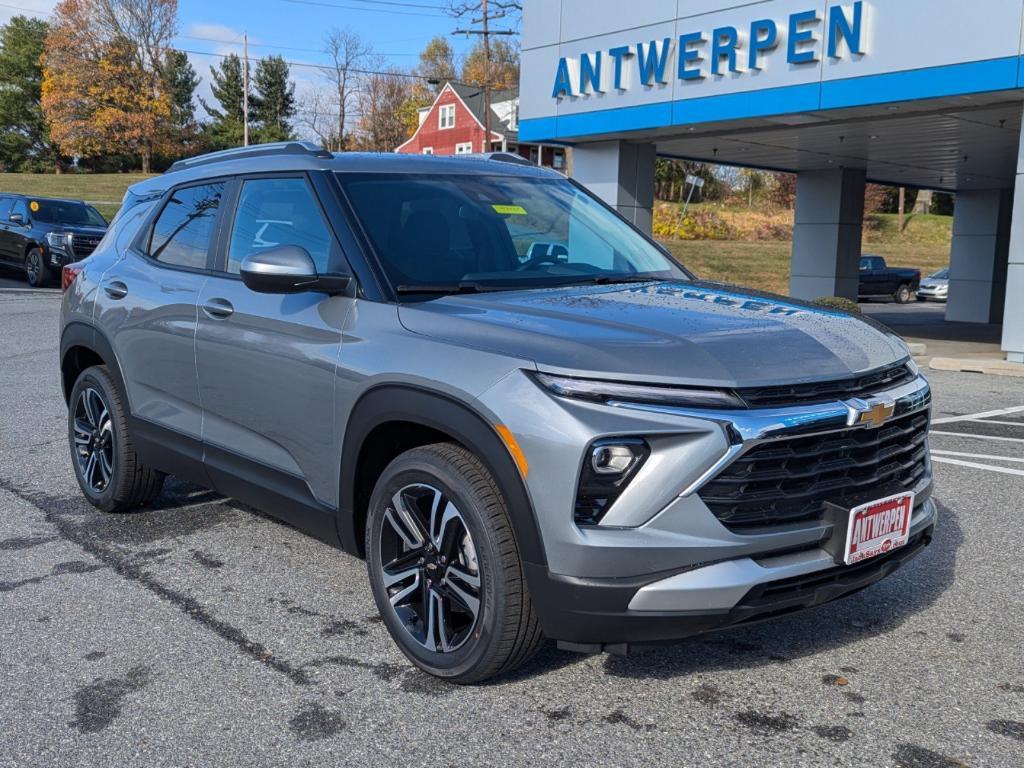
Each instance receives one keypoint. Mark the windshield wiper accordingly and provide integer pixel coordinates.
(443, 289)
(613, 279)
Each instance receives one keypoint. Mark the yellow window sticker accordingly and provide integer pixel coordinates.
(34, 206)
(509, 210)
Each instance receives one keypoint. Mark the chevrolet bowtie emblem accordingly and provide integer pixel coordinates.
(870, 413)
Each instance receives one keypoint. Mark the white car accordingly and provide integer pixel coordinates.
(935, 287)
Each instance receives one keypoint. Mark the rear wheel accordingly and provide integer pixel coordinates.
(904, 294)
(36, 271)
(106, 466)
(445, 569)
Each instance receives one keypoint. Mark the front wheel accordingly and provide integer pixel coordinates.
(904, 294)
(36, 272)
(445, 569)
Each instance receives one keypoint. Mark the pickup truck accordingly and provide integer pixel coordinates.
(879, 280)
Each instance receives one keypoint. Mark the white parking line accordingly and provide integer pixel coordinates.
(977, 456)
(976, 465)
(980, 437)
(1000, 423)
(977, 416)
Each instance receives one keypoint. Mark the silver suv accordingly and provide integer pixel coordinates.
(527, 417)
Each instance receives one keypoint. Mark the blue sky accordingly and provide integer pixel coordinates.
(295, 29)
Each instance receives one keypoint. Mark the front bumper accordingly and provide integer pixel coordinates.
(610, 614)
(661, 566)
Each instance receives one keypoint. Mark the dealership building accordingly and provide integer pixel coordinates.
(916, 93)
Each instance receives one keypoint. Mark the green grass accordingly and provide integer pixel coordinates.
(103, 190)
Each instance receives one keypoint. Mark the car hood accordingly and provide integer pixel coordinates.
(671, 332)
(77, 229)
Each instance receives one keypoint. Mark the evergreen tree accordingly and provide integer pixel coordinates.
(225, 128)
(273, 104)
(181, 81)
(24, 136)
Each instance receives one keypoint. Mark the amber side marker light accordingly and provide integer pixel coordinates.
(513, 447)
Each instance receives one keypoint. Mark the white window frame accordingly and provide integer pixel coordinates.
(428, 150)
(464, 148)
(446, 111)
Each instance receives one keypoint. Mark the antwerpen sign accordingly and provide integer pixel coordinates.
(716, 53)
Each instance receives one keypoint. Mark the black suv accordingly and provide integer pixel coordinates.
(41, 235)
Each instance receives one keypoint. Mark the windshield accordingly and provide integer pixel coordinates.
(942, 274)
(66, 212)
(475, 232)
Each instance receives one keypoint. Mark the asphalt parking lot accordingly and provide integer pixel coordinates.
(203, 633)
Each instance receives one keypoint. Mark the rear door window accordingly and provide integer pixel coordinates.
(184, 229)
(5, 208)
(274, 212)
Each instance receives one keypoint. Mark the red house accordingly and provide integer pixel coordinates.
(454, 125)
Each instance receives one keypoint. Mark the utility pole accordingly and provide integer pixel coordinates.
(245, 91)
(486, 31)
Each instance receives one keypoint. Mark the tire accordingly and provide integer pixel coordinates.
(37, 273)
(434, 560)
(904, 294)
(115, 481)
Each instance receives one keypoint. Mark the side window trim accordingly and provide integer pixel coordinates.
(141, 245)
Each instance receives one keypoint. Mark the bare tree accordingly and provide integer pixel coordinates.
(349, 54)
(383, 98)
(319, 114)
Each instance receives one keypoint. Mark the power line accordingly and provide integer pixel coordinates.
(321, 67)
(389, 11)
(274, 46)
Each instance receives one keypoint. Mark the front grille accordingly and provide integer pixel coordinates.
(827, 391)
(790, 479)
(83, 245)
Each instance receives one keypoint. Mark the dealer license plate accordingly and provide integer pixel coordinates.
(878, 527)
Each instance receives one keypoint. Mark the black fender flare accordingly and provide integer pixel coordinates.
(437, 411)
(79, 334)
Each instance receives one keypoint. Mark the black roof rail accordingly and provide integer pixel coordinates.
(506, 157)
(256, 150)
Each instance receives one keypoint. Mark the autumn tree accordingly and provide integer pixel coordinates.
(504, 68)
(24, 136)
(104, 88)
(382, 127)
(273, 101)
(437, 62)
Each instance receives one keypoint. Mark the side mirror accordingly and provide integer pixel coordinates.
(17, 218)
(288, 269)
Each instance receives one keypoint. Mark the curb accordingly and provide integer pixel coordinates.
(990, 366)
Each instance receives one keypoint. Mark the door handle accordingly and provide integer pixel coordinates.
(218, 308)
(116, 289)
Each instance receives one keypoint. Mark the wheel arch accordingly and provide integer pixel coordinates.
(82, 346)
(419, 416)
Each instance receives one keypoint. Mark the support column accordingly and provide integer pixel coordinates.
(621, 174)
(827, 228)
(1013, 318)
(977, 265)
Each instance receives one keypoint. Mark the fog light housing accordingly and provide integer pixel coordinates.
(608, 467)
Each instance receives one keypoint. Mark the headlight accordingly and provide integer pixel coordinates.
(59, 240)
(607, 391)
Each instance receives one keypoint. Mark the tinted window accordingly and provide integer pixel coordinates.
(21, 208)
(273, 212)
(182, 232)
(5, 207)
(504, 231)
(66, 212)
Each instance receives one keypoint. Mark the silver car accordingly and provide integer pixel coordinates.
(935, 287)
(528, 418)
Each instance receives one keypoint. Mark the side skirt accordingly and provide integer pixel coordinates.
(279, 494)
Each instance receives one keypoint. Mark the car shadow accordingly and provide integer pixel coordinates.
(877, 610)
